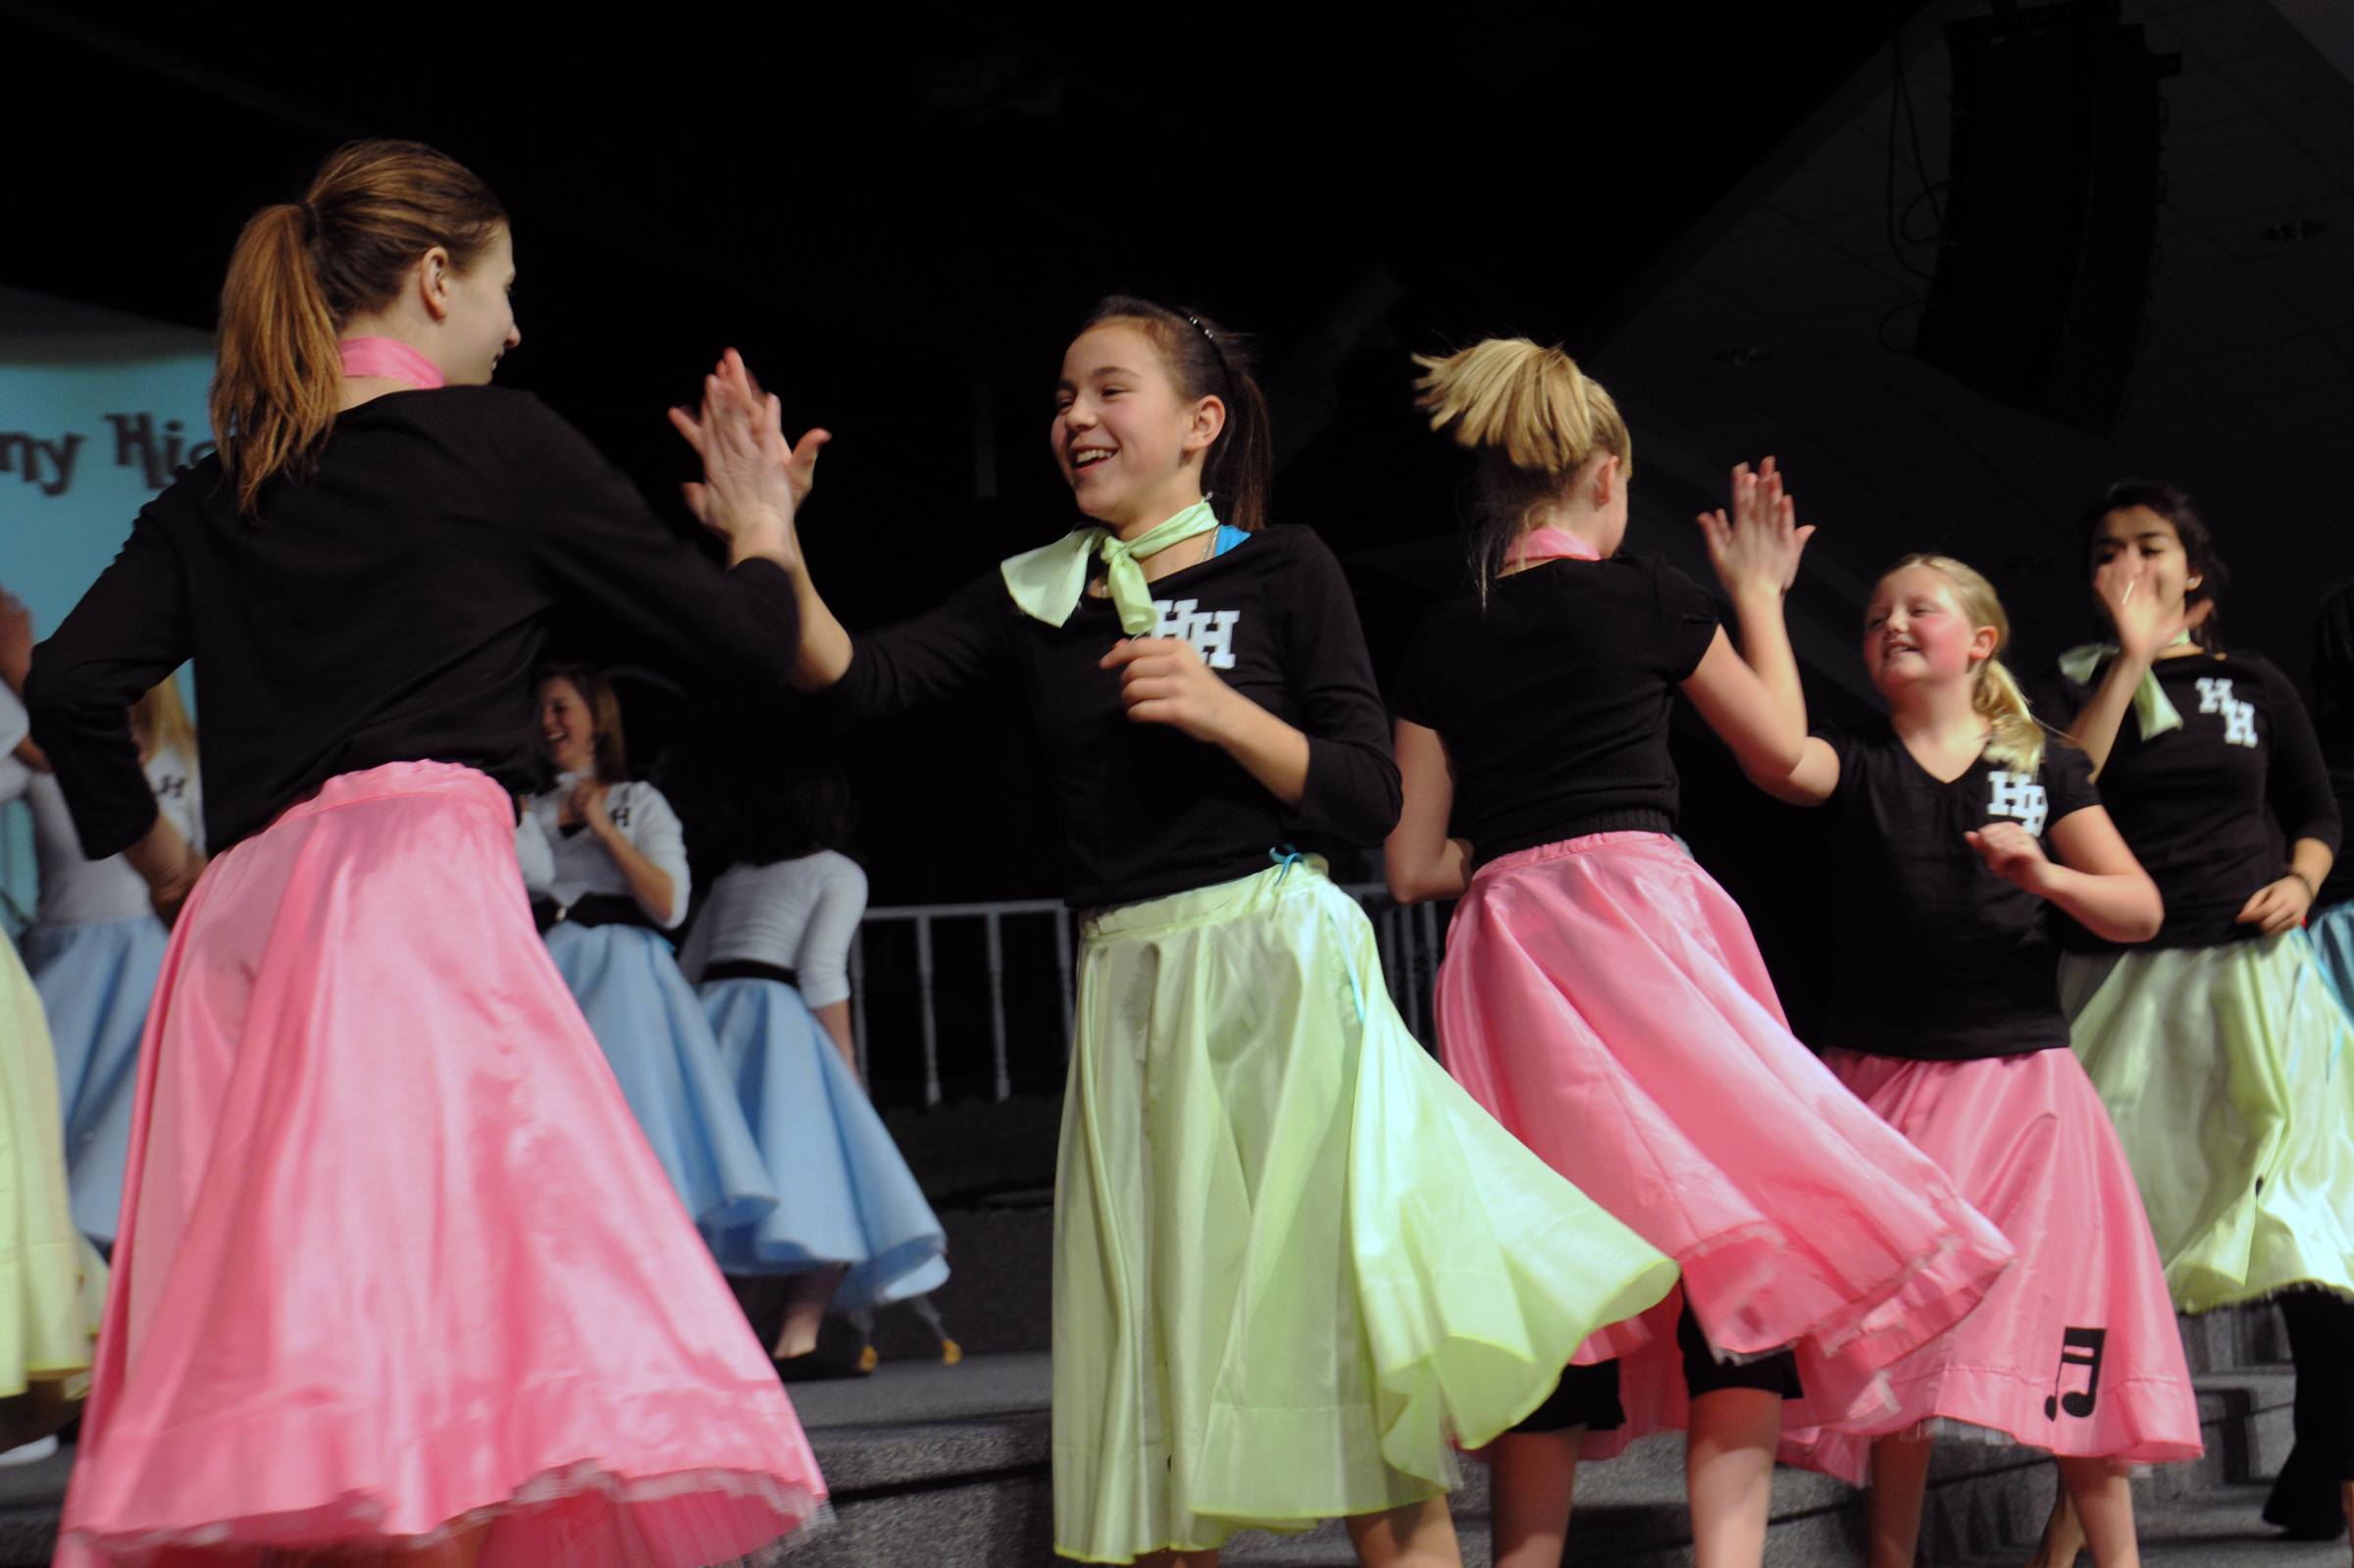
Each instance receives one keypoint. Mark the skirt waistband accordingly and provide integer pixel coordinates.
(453, 781)
(1654, 840)
(1292, 874)
(751, 969)
(590, 909)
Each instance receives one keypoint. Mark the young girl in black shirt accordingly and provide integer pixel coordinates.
(2219, 1048)
(397, 1277)
(1606, 999)
(1292, 1260)
(1945, 1018)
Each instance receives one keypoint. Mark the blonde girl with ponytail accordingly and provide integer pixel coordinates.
(1603, 999)
(1955, 822)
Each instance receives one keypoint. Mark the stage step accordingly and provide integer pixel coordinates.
(947, 1467)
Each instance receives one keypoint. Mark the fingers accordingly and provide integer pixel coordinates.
(689, 425)
(1128, 650)
(699, 502)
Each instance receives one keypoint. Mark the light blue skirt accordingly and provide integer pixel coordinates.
(848, 1195)
(646, 1017)
(2332, 934)
(96, 981)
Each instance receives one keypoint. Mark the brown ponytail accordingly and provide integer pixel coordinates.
(303, 268)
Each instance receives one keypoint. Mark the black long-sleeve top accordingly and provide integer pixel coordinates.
(2209, 809)
(389, 607)
(1146, 809)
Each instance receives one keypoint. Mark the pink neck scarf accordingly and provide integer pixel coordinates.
(391, 359)
(1548, 544)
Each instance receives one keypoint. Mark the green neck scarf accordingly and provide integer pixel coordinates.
(2153, 710)
(1046, 583)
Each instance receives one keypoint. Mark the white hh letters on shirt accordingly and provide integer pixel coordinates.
(1210, 632)
(2239, 718)
(2019, 795)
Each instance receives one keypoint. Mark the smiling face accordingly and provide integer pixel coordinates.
(1917, 635)
(1129, 443)
(2145, 548)
(567, 729)
(477, 312)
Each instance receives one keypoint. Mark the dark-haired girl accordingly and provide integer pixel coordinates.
(2218, 1047)
(398, 1277)
(1291, 1258)
(770, 959)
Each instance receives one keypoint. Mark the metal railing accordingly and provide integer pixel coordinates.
(1409, 940)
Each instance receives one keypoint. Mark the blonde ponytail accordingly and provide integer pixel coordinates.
(1535, 420)
(1531, 405)
(2014, 739)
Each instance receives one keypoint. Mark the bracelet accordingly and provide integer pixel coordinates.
(2311, 892)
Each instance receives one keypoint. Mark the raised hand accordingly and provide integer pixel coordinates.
(2277, 906)
(2014, 854)
(1757, 548)
(1163, 680)
(747, 495)
(2145, 626)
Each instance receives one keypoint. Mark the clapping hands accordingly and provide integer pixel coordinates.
(1756, 549)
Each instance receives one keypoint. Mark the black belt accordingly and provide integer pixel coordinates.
(590, 909)
(751, 969)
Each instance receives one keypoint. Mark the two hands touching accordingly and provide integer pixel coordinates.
(754, 483)
(1756, 551)
(754, 480)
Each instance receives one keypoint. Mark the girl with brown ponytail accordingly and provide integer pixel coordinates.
(398, 1277)
(1606, 1000)
(1957, 824)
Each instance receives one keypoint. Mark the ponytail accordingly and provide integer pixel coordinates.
(1207, 360)
(303, 268)
(280, 376)
(2014, 738)
(1535, 420)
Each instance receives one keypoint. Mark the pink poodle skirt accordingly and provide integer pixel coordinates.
(395, 1263)
(2076, 1349)
(1605, 1000)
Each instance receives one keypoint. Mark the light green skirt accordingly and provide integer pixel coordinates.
(2228, 1074)
(52, 1284)
(1292, 1260)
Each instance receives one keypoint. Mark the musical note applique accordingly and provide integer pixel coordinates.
(2078, 1347)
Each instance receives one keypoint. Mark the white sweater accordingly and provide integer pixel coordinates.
(797, 914)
